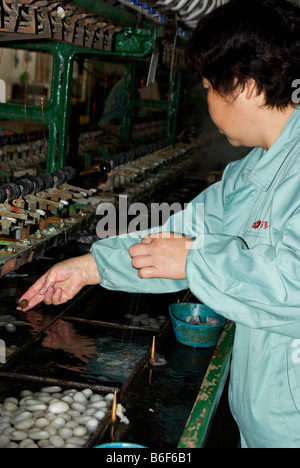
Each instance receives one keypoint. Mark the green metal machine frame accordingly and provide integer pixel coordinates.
(131, 43)
(169, 106)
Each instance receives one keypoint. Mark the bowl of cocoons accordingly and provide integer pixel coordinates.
(52, 418)
(196, 325)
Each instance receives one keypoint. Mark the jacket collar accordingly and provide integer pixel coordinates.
(270, 161)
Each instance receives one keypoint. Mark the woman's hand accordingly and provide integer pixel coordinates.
(161, 255)
(62, 282)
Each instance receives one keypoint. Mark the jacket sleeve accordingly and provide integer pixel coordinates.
(114, 262)
(257, 287)
(116, 271)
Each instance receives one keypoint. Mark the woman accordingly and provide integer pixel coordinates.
(248, 266)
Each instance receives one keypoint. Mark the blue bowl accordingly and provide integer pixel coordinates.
(120, 445)
(197, 336)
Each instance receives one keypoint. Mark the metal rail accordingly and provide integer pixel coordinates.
(202, 414)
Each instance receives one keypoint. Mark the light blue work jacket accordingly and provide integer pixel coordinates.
(246, 268)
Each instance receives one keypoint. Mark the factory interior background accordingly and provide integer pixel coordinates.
(97, 104)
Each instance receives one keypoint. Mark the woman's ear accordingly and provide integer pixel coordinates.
(251, 89)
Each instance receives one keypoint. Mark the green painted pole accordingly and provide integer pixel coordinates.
(174, 102)
(57, 113)
(128, 104)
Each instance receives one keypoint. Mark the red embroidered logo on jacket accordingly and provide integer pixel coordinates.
(261, 225)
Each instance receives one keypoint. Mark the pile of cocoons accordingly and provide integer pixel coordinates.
(53, 418)
(145, 320)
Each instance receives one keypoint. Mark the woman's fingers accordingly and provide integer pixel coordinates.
(142, 261)
(148, 272)
(49, 282)
(148, 239)
(57, 296)
(33, 296)
(161, 255)
(31, 303)
(41, 291)
(139, 250)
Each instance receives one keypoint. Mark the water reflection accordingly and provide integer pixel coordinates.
(63, 336)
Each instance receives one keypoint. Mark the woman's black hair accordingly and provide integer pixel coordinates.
(249, 39)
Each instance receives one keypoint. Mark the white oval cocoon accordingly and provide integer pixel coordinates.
(12, 445)
(87, 392)
(41, 423)
(76, 441)
(99, 415)
(80, 398)
(78, 407)
(57, 441)
(99, 404)
(24, 443)
(96, 397)
(24, 425)
(65, 432)
(52, 430)
(37, 434)
(71, 424)
(58, 422)
(10, 406)
(4, 440)
(37, 407)
(18, 435)
(52, 389)
(67, 399)
(109, 397)
(4, 426)
(58, 407)
(80, 431)
(26, 393)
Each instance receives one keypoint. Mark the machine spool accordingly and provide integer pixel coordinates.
(26, 187)
(3, 195)
(132, 155)
(12, 191)
(38, 183)
(69, 171)
(21, 188)
(60, 176)
(122, 158)
(48, 180)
